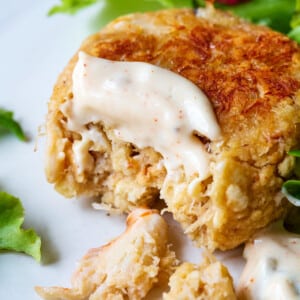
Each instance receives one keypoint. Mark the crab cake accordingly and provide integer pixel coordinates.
(249, 73)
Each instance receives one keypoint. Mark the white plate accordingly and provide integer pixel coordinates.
(34, 49)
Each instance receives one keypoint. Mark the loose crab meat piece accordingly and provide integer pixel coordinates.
(125, 268)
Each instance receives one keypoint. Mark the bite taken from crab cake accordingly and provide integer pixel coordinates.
(125, 268)
(222, 186)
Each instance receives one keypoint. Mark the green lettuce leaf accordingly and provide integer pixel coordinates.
(115, 8)
(295, 23)
(294, 34)
(174, 3)
(7, 123)
(291, 189)
(295, 153)
(12, 236)
(120, 7)
(70, 6)
(276, 14)
(280, 15)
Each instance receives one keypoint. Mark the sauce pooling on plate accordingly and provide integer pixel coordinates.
(272, 270)
(145, 105)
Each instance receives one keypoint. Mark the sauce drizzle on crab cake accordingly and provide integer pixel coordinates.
(249, 73)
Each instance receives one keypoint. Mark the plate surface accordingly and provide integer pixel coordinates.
(34, 49)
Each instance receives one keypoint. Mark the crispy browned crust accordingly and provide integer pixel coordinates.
(250, 75)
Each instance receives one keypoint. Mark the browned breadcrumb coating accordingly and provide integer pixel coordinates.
(125, 268)
(208, 281)
(251, 76)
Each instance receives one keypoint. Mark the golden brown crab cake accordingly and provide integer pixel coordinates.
(250, 75)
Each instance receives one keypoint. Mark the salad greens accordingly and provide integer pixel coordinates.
(111, 9)
(8, 124)
(281, 15)
(291, 188)
(120, 7)
(70, 6)
(295, 24)
(12, 236)
(276, 14)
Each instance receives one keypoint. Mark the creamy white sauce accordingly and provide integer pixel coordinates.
(145, 105)
(272, 270)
